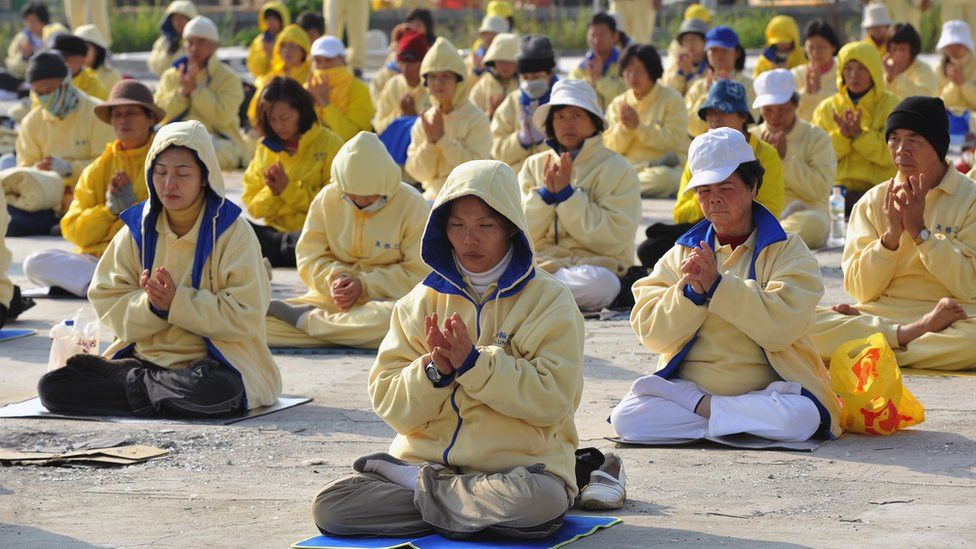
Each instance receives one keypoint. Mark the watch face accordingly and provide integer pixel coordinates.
(432, 373)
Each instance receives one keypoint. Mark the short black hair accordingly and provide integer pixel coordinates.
(551, 131)
(821, 28)
(425, 17)
(38, 10)
(282, 88)
(273, 13)
(647, 55)
(310, 20)
(603, 18)
(100, 55)
(751, 173)
(456, 75)
(905, 33)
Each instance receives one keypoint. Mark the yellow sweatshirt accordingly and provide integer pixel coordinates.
(505, 145)
(515, 400)
(488, 88)
(388, 107)
(698, 93)
(257, 60)
(595, 219)
(15, 63)
(680, 82)
(88, 81)
(781, 28)
(809, 101)
(108, 76)
(863, 161)
(89, 224)
(6, 286)
(771, 192)
(382, 76)
(467, 134)
(880, 48)
(307, 170)
(609, 85)
(350, 109)
(917, 79)
(220, 303)
(292, 34)
(160, 58)
(954, 95)
(754, 328)
(661, 128)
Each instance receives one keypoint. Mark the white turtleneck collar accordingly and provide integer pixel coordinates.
(481, 281)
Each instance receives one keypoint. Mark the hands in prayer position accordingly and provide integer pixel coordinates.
(346, 291)
(318, 85)
(450, 347)
(904, 209)
(558, 174)
(276, 179)
(777, 140)
(434, 127)
(849, 123)
(408, 106)
(188, 78)
(700, 269)
(628, 115)
(161, 289)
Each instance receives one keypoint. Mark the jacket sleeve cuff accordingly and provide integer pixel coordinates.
(550, 197)
(711, 291)
(468, 362)
(695, 297)
(445, 380)
(159, 312)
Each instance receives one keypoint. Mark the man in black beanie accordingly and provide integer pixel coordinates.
(73, 50)
(909, 260)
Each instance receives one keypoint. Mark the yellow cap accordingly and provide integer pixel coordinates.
(501, 8)
(697, 11)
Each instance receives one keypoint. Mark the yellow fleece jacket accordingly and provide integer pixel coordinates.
(78, 138)
(6, 285)
(609, 85)
(294, 35)
(661, 128)
(88, 81)
(258, 62)
(810, 165)
(388, 107)
(954, 95)
(881, 48)
(596, 223)
(108, 76)
(350, 109)
(307, 170)
(676, 80)
(228, 307)
(863, 161)
(489, 88)
(15, 63)
(89, 224)
(698, 93)
(810, 101)
(160, 58)
(514, 400)
(780, 27)
(753, 330)
(382, 76)
(771, 192)
(505, 145)
(917, 79)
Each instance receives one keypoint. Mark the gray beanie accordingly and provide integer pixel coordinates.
(535, 54)
(46, 65)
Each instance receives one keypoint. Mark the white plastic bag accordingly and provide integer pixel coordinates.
(74, 336)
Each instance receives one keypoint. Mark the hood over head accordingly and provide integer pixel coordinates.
(182, 7)
(278, 7)
(295, 35)
(505, 47)
(783, 28)
(868, 56)
(363, 166)
(444, 56)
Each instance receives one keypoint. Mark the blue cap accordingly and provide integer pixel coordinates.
(726, 96)
(721, 36)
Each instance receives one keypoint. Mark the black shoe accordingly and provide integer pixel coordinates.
(18, 304)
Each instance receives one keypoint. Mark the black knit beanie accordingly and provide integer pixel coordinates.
(535, 54)
(46, 65)
(925, 116)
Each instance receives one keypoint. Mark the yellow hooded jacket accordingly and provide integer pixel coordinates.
(505, 145)
(752, 329)
(810, 101)
(297, 36)
(503, 48)
(160, 57)
(350, 109)
(591, 222)
(917, 79)
(89, 224)
(863, 161)
(222, 287)
(88, 81)
(388, 106)
(257, 60)
(954, 95)
(513, 401)
(467, 132)
(781, 28)
(307, 170)
(661, 128)
(610, 84)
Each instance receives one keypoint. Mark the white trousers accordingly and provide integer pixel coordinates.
(593, 287)
(68, 270)
(778, 412)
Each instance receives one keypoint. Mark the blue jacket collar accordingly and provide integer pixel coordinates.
(614, 56)
(768, 232)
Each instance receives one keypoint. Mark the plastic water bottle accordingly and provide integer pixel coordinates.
(838, 227)
(62, 344)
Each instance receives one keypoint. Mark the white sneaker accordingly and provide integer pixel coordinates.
(606, 487)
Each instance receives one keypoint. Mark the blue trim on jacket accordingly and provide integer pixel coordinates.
(590, 54)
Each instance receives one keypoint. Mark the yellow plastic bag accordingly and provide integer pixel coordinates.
(864, 373)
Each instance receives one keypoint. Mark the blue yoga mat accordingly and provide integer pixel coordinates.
(7, 335)
(574, 528)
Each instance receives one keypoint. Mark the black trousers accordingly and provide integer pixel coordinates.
(94, 385)
(276, 246)
(24, 223)
(660, 238)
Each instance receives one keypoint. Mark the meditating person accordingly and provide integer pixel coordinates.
(290, 59)
(957, 68)
(183, 288)
(500, 77)
(272, 18)
(491, 27)
(291, 164)
(404, 95)
(342, 101)
(647, 124)
(686, 59)
(783, 49)
(28, 41)
(514, 136)
(726, 61)
(170, 46)
(817, 79)
(729, 309)
(358, 253)
(200, 87)
(581, 199)
(97, 58)
(854, 118)
(807, 156)
(112, 183)
(74, 50)
(905, 74)
(452, 131)
(56, 141)
(600, 67)
(908, 261)
(480, 375)
(418, 20)
(876, 24)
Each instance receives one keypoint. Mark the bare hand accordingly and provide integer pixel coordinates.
(408, 106)
(777, 140)
(346, 291)
(435, 340)
(911, 201)
(955, 73)
(493, 104)
(276, 179)
(434, 128)
(161, 289)
(558, 174)
(849, 123)
(628, 115)
(684, 63)
(891, 67)
(892, 234)
(594, 68)
(813, 80)
(25, 47)
(318, 85)
(44, 164)
(458, 342)
(188, 78)
(118, 180)
(700, 268)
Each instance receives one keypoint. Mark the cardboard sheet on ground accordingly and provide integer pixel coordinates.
(321, 351)
(33, 408)
(745, 441)
(574, 528)
(10, 335)
(118, 455)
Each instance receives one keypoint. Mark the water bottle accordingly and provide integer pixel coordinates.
(62, 344)
(838, 227)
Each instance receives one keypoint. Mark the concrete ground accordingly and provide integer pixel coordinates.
(250, 484)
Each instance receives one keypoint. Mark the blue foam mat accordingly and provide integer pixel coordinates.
(7, 335)
(574, 528)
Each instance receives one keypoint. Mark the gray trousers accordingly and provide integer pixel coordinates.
(520, 503)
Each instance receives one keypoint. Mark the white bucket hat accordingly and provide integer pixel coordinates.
(328, 46)
(574, 93)
(876, 15)
(201, 26)
(493, 23)
(955, 32)
(774, 87)
(90, 33)
(715, 154)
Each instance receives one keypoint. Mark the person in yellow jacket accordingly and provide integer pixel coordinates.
(854, 118)
(729, 309)
(817, 79)
(74, 50)
(169, 46)
(726, 61)
(183, 289)
(876, 24)
(291, 59)
(491, 27)
(404, 95)
(783, 47)
(342, 101)
(349, 18)
(452, 131)
(272, 18)
(358, 253)
(200, 87)
(647, 124)
(807, 156)
(291, 164)
(686, 55)
(582, 199)
(419, 20)
(97, 58)
(479, 380)
(29, 40)
(600, 67)
(501, 75)
(905, 74)
(908, 261)
(957, 68)
(114, 181)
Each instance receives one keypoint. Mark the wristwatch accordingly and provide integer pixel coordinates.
(433, 374)
(922, 236)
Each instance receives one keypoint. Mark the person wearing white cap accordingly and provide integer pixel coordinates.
(905, 74)
(352, 18)
(491, 26)
(98, 56)
(729, 309)
(342, 101)
(957, 68)
(807, 155)
(638, 17)
(500, 77)
(876, 23)
(169, 46)
(581, 199)
(199, 87)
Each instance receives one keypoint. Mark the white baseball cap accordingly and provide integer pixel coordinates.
(493, 23)
(774, 87)
(201, 26)
(715, 154)
(876, 15)
(328, 46)
(574, 93)
(955, 32)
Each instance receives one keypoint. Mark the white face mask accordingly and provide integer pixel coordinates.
(372, 208)
(534, 88)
